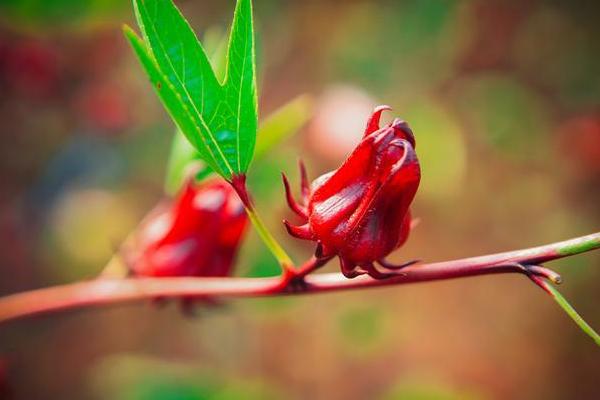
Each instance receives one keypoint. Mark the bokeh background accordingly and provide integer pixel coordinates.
(504, 99)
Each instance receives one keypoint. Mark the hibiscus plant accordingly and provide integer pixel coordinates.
(358, 213)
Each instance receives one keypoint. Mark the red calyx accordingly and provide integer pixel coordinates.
(360, 212)
(196, 234)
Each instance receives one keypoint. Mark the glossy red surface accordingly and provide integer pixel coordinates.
(360, 211)
(196, 234)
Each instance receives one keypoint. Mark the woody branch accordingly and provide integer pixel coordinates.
(111, 291)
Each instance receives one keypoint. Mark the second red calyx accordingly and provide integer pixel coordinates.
(196, 234)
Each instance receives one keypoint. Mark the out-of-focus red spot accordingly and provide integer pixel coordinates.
(29, 67)
(104, 107)
(579, 139)
(496, 24)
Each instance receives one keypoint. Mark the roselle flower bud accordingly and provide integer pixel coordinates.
(196, 234)
(360, 212)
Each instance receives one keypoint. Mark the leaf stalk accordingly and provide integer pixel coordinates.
(238, 182)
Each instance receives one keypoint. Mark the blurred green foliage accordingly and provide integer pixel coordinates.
(441, 147)
(428, 389)
(410, 43)
(362, 328)
(508, 116)
(127, 377)
(42, 14)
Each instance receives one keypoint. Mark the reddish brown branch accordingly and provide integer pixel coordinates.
(108, 291)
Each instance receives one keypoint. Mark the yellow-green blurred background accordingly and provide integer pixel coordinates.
(504, 99)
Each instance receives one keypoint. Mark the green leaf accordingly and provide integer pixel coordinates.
(240, 80)
(279, 125)
(221, 118)
(165, 90)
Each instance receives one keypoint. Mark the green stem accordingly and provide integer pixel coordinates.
(573, 314)
(238, 182)
(272, 244)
